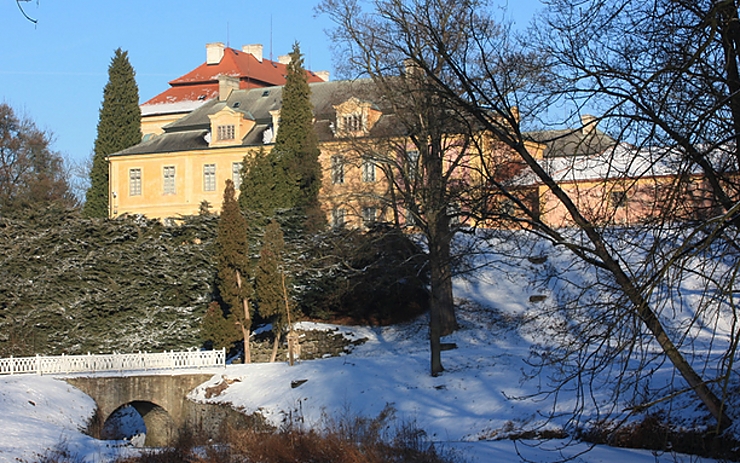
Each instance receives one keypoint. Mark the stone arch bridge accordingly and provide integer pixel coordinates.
(162, 402)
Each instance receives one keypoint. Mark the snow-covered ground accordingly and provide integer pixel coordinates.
(480, 397)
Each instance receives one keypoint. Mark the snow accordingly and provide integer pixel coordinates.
(469, 410)
(171, 107)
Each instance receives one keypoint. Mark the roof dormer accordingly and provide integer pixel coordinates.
(355, 117)
(229, 126)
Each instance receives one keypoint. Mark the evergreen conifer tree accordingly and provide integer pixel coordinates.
(119, 127)
(216, 329)
(259, 197)
(232, 260)
(291, 172)
(271, 285)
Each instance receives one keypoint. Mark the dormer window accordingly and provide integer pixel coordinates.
(229, 126)
(356, 117)
(225, 132)
(352, 123)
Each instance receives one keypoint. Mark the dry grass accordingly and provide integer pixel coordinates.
(345, 440)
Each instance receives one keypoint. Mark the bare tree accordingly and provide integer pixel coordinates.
(31, 174)
(425, 153)
(23, 12)
(478, 71)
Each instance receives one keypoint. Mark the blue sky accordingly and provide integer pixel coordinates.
(54, 72)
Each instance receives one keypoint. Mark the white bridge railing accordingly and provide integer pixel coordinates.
(90, 363)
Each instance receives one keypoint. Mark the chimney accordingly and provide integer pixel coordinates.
(284, 59)
(226, 85)
(254, 50)
(410, 67)
(214, 52)
(323, 75)
(589, 124)
(515, 113)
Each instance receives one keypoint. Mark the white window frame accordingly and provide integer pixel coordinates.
(368, 171)
(338, 216)
(209, 177)
(225, 132)
(134, 181)
(353, 122)
(236, 174)
(168, 180)
(412, 157)
(369, 215)
(337, 170)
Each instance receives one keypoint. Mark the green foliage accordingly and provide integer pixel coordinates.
(31, 175)
(376, 277)
(232, 259)
(289, 177)
(270, 280)
(74, 285)
(216, 330)
(261, 194)
(119, 127)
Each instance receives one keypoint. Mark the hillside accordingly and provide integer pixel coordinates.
(474, 411)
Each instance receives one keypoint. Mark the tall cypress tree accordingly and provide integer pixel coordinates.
(232, 260)
(119, 127)
(292, 168)
(259, 196)
(271, 286)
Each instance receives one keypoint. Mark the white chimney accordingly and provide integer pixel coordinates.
(284, 59)
(323, 75)
(254, 50)
(226, 84)
(589, 124)
(214, 52)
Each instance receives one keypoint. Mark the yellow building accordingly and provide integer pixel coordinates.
(172, 174)
(247, 68)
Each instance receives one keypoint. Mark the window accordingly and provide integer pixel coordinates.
(337, 170)
(209, 177)
(618, 198)
(169, 180)
(368, 172)
(410, 217)
(225, 132)
(352, 122)
(337, 217)
(369, 214)
(236, 174)
(412, 157)
(454, 212)
(134, 182)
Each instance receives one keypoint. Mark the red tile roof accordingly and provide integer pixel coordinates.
(202, 82)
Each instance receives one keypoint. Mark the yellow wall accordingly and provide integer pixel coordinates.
(152, 125)
(189, 182)
(352, 195)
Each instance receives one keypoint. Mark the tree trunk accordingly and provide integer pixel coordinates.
(651, 321)
(641, 305)
(441, 283)
(275, 345)
(729, 24)
(442, 319)
(435, 344)
(247, 325)
(247, 352)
